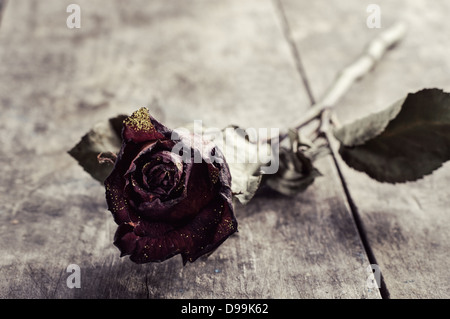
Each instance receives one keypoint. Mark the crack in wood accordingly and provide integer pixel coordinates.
(352, 206)
(295, 53)
(384, 292)
(2, 9)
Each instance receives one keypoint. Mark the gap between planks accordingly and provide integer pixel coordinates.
(384, 292)
(295, 53)
(2, 9)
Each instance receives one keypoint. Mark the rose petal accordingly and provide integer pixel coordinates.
(134, 192)
(154, 250)
(209, 229)
(169, 208)
(115, 186)
(125, 239)
(141, 127)
(198, 192)
(146, 148)
(160, 241)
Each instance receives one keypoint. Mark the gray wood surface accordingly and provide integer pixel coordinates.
(219, 62)
(407, 225)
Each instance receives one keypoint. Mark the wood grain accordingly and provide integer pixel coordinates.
(221, 62)
(407, 225)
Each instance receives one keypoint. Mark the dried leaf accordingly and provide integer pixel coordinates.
(104, 137)
(243, 161)
(296, 171)
(405, 142)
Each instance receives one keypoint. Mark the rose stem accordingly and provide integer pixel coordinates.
(361, 66)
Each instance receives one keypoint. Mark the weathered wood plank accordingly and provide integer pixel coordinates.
(407, 225)
(221, 62)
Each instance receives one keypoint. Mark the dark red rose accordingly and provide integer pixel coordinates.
(164, 204)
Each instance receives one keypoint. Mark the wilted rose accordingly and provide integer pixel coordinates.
(163, 204)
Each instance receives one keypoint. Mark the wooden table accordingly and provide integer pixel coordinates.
(254, 63)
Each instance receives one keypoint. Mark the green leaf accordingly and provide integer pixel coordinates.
(104, 137)
(403, 143)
